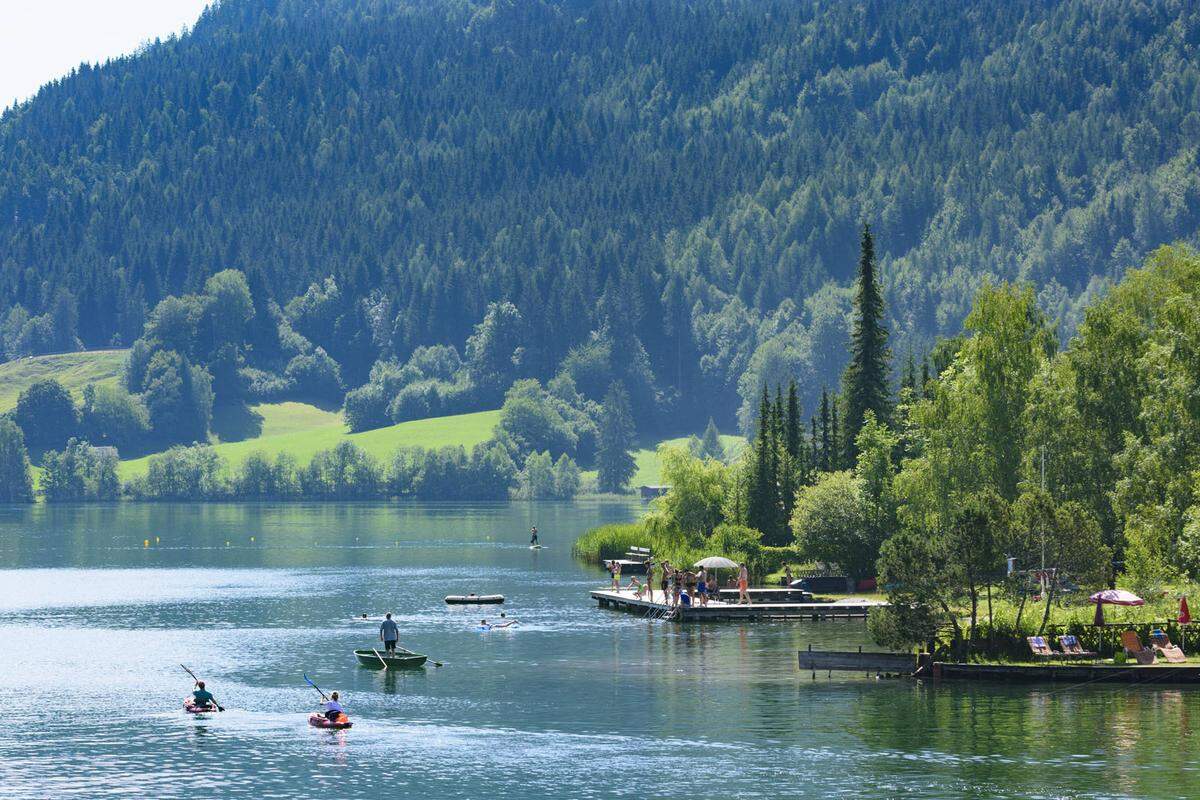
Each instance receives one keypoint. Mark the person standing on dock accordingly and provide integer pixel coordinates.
(662, 580)
(702, 586)
(650, 580)
(744, 585)
(389, 632)
(615, 569)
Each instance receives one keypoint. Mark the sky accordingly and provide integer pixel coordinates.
(41, 40)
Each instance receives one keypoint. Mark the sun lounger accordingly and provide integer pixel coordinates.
(1134, 647)
(1039, 646)
(1171, 652)
(1071, 646)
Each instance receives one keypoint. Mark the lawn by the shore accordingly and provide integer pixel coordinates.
(301, 430)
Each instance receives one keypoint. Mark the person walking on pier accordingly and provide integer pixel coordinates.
(744, 585)
(389, 632)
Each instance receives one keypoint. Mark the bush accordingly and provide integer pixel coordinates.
(112, 416)
(183, 473)
(315, 376)
(46, 414)
(264, 387)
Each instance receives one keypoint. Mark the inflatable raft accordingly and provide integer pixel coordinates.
(190, 706)
(474, 599)
(320, 721)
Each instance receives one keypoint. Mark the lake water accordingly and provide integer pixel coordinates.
(99, 605)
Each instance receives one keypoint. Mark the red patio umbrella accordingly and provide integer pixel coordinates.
(1185, 616)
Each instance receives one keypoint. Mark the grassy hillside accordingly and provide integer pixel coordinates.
(302, 430)
(73, 370)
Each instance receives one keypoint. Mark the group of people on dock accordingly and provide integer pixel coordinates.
(681, 586)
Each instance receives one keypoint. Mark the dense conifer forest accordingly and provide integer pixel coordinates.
(666, 194)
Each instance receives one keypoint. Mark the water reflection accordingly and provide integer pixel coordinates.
(95, 620)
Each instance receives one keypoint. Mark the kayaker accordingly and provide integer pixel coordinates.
(533, 540)
(389, 632)
(201, 697)
(332, 707)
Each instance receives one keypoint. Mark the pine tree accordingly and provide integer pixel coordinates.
(909, 380)
(710, 442)
(814, 441)
(835, 439)
(762, 488)
(865, 381)
(826, 444)
(792, 424)
(925, 385)
(615, 440)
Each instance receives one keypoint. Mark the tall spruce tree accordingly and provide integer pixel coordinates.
(615, 440)
(865, 382)
(762, 494)
(793, 431)
(824, 464)
(710, 442)
(835, 436)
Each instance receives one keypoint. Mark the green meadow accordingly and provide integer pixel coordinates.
(72, 370)
(302, 430)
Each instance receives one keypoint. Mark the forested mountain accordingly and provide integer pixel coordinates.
(672, 189)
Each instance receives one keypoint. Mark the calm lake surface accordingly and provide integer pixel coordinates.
(99, 605)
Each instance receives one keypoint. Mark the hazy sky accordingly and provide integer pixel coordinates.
(41, 40)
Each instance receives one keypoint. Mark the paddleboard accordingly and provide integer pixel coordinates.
(537, 547)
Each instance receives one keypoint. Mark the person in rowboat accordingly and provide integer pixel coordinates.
(533, 535)
(389, 633)
(201, 697)
(332, 707)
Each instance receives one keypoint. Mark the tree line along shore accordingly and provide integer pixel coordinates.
(989, 495)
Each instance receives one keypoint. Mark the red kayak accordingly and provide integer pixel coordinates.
(320, 721)
(190, 706)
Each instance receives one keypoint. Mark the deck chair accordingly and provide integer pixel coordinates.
(1162, 643)
(1039, 647)
(1134, 647)
(1071, 646)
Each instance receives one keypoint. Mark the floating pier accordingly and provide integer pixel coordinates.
(624, 600)
(1073, 673)
(1069, 673)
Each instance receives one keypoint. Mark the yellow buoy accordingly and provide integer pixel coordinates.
(145, 542)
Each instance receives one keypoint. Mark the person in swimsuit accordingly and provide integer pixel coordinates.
(533, 537)
(677, 575)
(702, 586)
(616, 575)
(333, 708)
(650, 580)
(743, 585)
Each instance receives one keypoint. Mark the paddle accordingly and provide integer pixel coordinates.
(197, 680)
(318, 688)
(381, 661)
(411, 653)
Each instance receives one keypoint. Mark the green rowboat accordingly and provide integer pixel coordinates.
(401, 659)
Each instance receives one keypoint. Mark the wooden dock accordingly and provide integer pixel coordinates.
(1154, 674)
(624, 600)
(856, 661)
